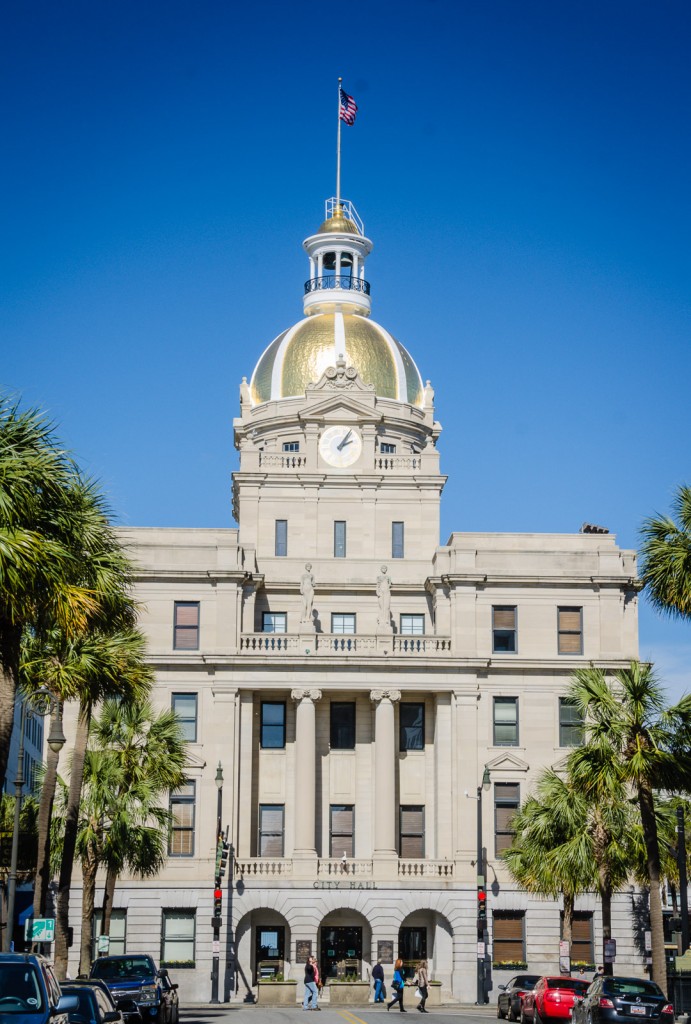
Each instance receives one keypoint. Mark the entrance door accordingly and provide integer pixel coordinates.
(269, 951)
(341, 952)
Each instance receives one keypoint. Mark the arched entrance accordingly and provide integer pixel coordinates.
(263, 945)
(427, 935)
(344, 944)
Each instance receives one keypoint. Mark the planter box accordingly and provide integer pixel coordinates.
(277, 993)
(349, 993)
(433, 995)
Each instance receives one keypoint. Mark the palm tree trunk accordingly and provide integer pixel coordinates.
(45, 813)
(9, 673)
(647, 807)
(567, 927)
(62, 919)
(89, 869)
(108, 894)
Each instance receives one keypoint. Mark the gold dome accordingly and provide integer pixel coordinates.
(339, 223)
(300, 356)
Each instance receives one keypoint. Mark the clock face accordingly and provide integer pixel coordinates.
(340, 446)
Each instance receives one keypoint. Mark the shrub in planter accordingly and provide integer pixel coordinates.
(275, 992)
(509, 965)
(348, 991)
(178, 964)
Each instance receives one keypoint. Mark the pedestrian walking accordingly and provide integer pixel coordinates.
(311, 994)
(398, 986)
(421, 981)
(378, 976)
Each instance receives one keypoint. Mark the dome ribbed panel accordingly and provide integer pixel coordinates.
(310, 351)
(368, 350)
(412, 376)
(260, 385)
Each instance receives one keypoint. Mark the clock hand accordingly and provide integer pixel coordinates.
(345, 439)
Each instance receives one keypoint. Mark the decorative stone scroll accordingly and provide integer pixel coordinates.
(379, 695)
(340, 377)
(312, 695)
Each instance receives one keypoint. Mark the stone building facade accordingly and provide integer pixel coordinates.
(357, 681)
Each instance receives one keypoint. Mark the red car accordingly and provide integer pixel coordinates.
(552, 999)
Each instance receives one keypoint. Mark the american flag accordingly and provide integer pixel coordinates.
(348, 108)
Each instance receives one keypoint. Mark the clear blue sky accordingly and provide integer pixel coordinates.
(523, 169)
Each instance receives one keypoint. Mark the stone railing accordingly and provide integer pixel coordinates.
(425, 869)
(329, 645)
(332, 867)
(263, 867)
(397, 462)
(282, 460)
(291, 461)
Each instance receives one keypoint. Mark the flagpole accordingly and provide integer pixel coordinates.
(338, 150)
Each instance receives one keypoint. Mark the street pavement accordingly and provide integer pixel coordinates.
(244, 1013)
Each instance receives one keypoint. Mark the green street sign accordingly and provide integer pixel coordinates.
(42, 929)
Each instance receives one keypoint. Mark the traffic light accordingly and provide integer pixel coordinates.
(481, 907)
(223, 859)
(218, 902)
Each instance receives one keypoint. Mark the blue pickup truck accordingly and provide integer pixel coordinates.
(138, 988)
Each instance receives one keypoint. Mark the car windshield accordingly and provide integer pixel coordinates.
(631, 987)
(526, 981)
(572, 984)
(130, 967)
(20, 989)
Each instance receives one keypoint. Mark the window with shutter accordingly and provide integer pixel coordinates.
(570, 630)
(412, 831)
(342, 830)
(177, 936)
(581, 937)
(271, 830)
(570, 724)
(184, 705)
(504, 629)
(506, 802)
(186, 626)
(506, 721)
(508, 936)
(281, 538)
(182, 811)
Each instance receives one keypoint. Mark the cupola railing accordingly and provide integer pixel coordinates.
(353, 284)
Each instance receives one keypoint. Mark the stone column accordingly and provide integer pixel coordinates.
(385, 855)
(304, 848)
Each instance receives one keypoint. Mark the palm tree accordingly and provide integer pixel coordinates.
(39, 566)
(634, 739)
(558, 815)
(666, 557)
(150, 755)
(107, 664)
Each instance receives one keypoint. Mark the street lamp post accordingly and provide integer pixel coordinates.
(41, 702)
(481, 892)
(216, 919)
(683, 885)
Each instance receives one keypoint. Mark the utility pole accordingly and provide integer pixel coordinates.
(219, 871)
(683, 882)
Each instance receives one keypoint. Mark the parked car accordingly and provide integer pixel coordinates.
(138, 988)
(29, 991)
(96, 1004)
(510, 1001)
(624, 1000)
(552, 998)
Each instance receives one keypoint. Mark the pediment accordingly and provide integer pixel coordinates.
(340, 378)
(507, 762)
(194, 762)
(339, 408)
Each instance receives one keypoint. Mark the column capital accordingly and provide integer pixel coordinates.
(312, 695)
(390, 695)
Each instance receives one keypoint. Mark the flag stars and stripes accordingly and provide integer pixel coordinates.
(348, 108)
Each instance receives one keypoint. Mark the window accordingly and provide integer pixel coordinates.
(412, 944)
(506, 800)
(291, 446)
(269, 951)
(508, 936)
(339, 539)
(342, 623)
(281, 541)
(185, 707)
(177, 937)
(273, 724)
(386, 448)
(271, 830)
(504, 629)
(570, 724)
(412, 625)
(186, 626)
(581, 937)
(411, 723)
(412, 831)
(570, 630)
(506, 721)
(118, 932)
(397, 543)
(274, 622)
(182, 801)
(342, 726)
(342, 830)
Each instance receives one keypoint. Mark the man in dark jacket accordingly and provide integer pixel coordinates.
(378, 976)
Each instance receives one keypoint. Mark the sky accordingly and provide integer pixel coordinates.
(522, 168)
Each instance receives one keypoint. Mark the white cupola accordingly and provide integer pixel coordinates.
(337, 263)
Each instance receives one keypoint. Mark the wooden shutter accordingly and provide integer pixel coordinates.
(187, 626)
(508, 936)
(342, 827)
(570, 633)
(412, 832)
(271, 832)
(581, 938)
(504, 618)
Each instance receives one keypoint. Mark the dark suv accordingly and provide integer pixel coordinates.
(30, 993)
(624, 1000)
(136, 986)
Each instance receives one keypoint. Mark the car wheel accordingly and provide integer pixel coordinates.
(512, 1013)
(500, 1013)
